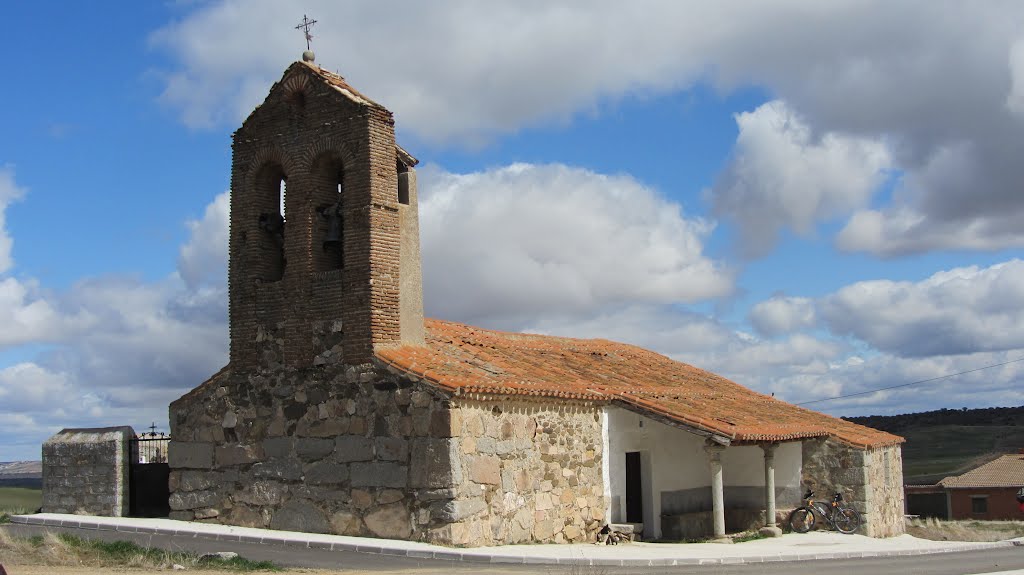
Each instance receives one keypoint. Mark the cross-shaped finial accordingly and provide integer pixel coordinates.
(305, 26)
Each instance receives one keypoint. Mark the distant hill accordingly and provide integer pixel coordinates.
(951, 441)
(21, 474)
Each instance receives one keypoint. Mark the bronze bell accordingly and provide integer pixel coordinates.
(333, 237)
(272, 223)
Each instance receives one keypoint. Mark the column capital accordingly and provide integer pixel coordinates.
(714, 450)
(769, 449)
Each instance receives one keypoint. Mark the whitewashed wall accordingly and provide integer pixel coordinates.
(673, 462)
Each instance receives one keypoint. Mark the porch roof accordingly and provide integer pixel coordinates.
(463, 360)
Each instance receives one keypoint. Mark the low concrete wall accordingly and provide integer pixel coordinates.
(85, 471)
(697, 526)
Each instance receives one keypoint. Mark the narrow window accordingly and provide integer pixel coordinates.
(403, 184)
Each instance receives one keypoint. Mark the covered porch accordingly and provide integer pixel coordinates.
(683, 483)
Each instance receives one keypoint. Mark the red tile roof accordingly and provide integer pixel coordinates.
(1007, 471)
(463, 359)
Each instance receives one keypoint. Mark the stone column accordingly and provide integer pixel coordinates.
(714, 451)
(769, 529)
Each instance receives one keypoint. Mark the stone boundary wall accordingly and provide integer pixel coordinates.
(532, 473)
(85, 471)
(871, 481)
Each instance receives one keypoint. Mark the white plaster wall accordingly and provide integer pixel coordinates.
(744, 465)
(674, 459)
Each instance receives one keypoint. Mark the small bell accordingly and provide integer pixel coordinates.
(272, 224)
(333, 237)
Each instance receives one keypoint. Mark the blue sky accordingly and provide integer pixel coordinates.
(813, 200)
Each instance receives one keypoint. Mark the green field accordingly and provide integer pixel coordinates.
(15, 500)
(934, 452)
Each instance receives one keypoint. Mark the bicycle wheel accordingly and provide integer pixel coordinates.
(846, 520)
(801, 520)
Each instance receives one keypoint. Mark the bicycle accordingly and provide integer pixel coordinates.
(841, 518)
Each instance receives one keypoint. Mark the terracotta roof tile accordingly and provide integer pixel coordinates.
(339, 83)
(1007, 471)
(464, 359)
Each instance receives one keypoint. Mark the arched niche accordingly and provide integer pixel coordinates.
(269, 199)
(327, 179)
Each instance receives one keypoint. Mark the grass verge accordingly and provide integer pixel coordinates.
(748, 536)
(938, 530)
(18, 500)
(62, 549)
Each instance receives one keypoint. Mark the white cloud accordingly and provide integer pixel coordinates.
(1015, 98)
(28, 317)
(462, 73)
(512, 242)
(960, 311)
(932, 210)
(784, 176)
(116, 350)
(204, 257)
(781, 315)
(9, 193)
(999, 386)
(28, 387)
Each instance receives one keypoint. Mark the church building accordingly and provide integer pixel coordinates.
(342, 410)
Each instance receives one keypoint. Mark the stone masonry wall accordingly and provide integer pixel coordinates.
(85, 471)
(531, 473)
(884, 470)
(871, 481)
(351, 450)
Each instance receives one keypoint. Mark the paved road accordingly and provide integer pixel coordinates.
(963, 563)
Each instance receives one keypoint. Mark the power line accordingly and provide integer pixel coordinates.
(911, 383)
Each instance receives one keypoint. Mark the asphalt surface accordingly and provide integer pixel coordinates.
(957, 563)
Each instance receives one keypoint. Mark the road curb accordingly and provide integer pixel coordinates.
(379, 547)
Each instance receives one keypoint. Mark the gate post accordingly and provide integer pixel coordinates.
(85, 471)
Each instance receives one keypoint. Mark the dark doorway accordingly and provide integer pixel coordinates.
(634, 489)
(927, 505)
(148, 475)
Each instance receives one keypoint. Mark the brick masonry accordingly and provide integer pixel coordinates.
(282, 284)
(85, 471)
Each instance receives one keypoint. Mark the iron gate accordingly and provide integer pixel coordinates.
(148, 491)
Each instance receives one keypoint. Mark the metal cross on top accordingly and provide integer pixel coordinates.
(305, 26)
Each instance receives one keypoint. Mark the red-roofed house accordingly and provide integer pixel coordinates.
(342, 410)
(987, 492)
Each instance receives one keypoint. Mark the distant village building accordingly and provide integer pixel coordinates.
(343, 411)
(992, 491)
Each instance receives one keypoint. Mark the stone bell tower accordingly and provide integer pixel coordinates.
(324, 256)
